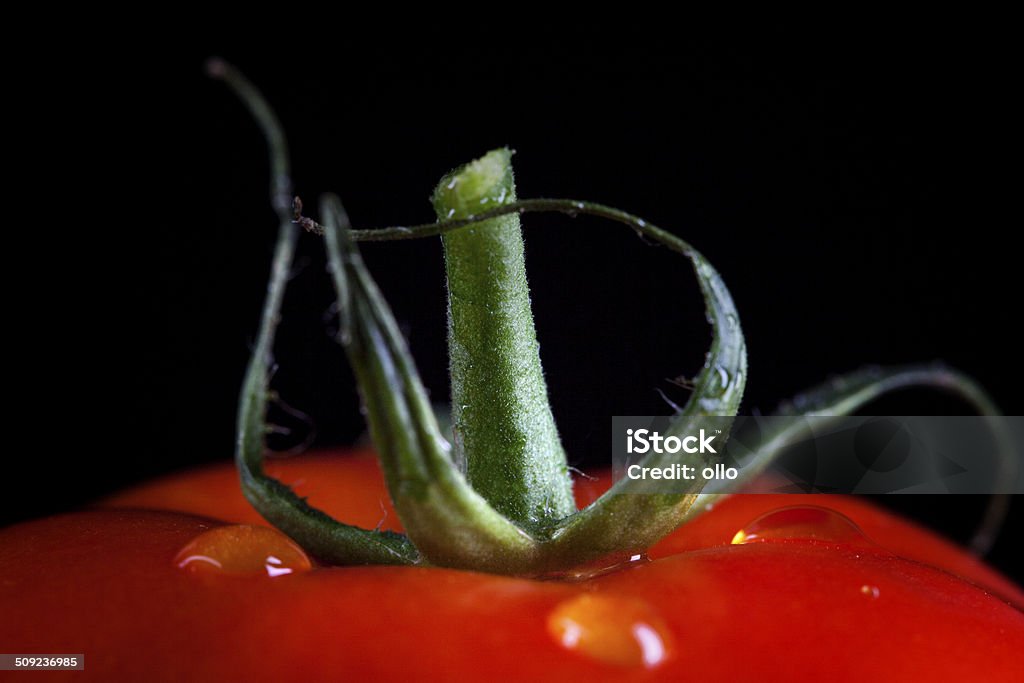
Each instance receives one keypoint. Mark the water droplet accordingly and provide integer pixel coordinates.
(611, 629)
(732, 321)
(605, 565)
(721, 382)
(870, 591)
(243, 550)
(802, 523)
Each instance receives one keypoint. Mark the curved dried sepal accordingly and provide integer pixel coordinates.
(315, 531)
(621, 521)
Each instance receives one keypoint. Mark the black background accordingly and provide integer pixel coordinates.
(845, 185)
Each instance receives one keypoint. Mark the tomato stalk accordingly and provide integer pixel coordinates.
(499, 504)
(505, 435)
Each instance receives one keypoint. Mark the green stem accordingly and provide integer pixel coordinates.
(505, 434)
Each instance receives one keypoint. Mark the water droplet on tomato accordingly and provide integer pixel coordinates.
(606, 565)
(802, 523)
(243, 550)
(611, 629)
(870, 591)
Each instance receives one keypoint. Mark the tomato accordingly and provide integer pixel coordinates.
(837, 591)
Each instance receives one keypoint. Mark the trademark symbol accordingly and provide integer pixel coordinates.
(718, 431)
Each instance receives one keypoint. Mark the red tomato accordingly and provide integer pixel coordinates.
(806, 596)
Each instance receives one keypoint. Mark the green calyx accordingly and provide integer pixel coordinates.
(500, 498)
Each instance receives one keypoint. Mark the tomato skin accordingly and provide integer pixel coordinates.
(348, 486)
(103, 582)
